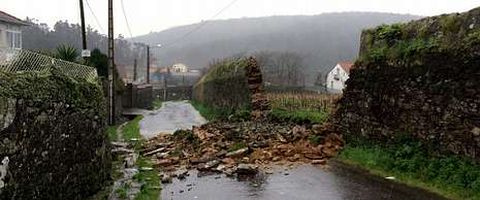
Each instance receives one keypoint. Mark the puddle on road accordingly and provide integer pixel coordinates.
(302, 183)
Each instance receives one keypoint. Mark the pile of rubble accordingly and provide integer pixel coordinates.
(238, 148)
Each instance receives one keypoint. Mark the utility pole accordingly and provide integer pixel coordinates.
(165, 84)
(148, 64)
(111, 65)
(183, 85)
(135, 70)
(82, 19)
(85, 52)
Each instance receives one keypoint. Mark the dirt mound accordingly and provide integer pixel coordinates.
(240, 147)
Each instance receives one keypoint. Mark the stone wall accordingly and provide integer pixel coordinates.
(421, 79)
(137, 96)
(175, 93)
(224, 86)
(54, 139)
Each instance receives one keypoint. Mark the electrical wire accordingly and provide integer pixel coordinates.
(126, 20)
(95, 17)
(199, 26)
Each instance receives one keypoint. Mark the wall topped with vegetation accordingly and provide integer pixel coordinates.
(420, 78)
(53, 133)
(225, 85)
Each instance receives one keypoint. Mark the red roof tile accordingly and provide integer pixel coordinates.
(346, 65)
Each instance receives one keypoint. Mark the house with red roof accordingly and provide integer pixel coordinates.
(336, 77)
(10, 31)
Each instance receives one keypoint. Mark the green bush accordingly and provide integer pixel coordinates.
(389, 33)
(450, 24)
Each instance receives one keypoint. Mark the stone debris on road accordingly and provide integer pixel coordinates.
(240, 148)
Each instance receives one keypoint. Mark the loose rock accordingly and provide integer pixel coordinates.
(246, 169)
(239, 152)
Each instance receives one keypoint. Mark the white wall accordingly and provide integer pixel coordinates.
(3, 32)
(334, 85)
(3, 35)
(180, 68)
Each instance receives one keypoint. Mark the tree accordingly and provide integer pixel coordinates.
(100, 62)
(282, 68)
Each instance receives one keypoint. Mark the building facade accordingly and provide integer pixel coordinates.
(10, 31)
(336, 78)
(180, 68)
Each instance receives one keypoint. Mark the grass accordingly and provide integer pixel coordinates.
(157, 104)
(122, 191)
(298, 116)
(211, 113)
(447, 175)
(151, 188)
(132, 129)
(112, 133)
(301, 107)
(304, 100)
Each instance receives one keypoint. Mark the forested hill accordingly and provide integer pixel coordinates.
(321, 39)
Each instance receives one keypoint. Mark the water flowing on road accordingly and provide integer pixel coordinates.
(170, 117)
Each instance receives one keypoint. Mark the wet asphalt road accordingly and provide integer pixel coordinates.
(302, 183)
(170, 117)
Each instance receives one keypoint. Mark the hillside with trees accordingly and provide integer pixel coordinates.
(320, 40)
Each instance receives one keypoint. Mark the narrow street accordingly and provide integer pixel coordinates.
(305, 182)
(337, 181)
(170, 117)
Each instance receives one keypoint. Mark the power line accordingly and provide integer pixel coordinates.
(95, 17)
(202, 24)
(126, 20)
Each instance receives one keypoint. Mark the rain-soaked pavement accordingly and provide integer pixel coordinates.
(305, 182)
(300, 183)
(169, 118)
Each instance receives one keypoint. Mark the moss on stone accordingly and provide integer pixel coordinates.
(61, 147)
(224, 86)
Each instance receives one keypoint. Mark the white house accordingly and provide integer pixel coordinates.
(336, 78)
(10, 31)
(180, 68)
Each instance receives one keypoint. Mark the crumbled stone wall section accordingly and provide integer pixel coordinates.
(56, 143)
(234, 84)
(259, 101)
(421, 79)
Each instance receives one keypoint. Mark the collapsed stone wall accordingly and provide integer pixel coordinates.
(421, 79)
(259, 102)
(52, 136)
(225, 85)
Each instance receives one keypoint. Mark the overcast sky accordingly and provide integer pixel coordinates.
(155, 15)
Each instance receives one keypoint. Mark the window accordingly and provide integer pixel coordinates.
(336, 76)
(14, 39)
